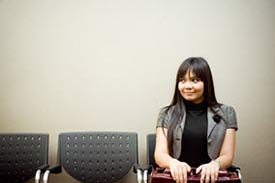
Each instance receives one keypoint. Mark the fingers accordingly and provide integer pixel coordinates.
(198, 170)
(188, 167)
(184, 173)
(177, 174)
(179, 171)
(208, 173)
(203, 175)
(180, 174)
(213, 175)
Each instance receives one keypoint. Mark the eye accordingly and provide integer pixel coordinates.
(181, 79)
(195, 80)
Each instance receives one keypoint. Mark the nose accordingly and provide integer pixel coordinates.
(188, 85)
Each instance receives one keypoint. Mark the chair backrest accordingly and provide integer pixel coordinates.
(98, 157)
(21, 155)
(151, 144)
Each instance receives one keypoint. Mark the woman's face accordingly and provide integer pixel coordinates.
(191, 87)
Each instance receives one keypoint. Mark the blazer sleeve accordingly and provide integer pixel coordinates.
(162, 120)
(231, 118)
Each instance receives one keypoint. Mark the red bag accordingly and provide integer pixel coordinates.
(164, 176)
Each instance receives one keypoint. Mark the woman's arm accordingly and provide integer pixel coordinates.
(163, 159)
(162, 156)
(228, 148)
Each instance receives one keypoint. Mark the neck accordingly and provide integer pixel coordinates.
(195, 106)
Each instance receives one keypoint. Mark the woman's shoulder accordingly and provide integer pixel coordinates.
(167, 110)
(164, 116)
(229, 114)
(226, 108)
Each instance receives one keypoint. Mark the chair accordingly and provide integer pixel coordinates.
(151, 144)
(22, 156)
(96, 157)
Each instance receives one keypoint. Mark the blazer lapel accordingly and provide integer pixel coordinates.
(211, 122)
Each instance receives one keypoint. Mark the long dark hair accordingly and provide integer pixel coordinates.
(201, 69)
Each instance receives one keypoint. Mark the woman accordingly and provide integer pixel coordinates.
(195, 130)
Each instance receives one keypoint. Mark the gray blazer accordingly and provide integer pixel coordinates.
(215, 131)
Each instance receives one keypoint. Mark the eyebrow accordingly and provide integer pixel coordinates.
(194, 77)
(191, 77)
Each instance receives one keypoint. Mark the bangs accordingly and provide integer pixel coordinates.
(192, 66)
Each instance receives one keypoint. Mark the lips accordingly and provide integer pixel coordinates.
(188, 93)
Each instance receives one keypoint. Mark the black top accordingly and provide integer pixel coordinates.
(194, 137)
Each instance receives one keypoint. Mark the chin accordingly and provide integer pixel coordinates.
(189, 99)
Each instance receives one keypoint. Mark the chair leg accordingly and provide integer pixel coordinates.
(46, 176)
(139, 176)
(37, 176)
(145, 176)
(239, 174)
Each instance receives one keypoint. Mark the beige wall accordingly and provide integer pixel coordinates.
(79, 65)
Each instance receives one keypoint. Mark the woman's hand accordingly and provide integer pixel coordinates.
(179, 170)
(209, 171)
